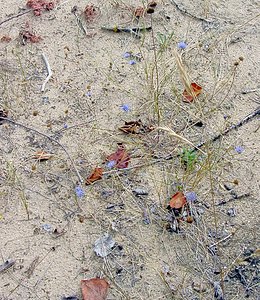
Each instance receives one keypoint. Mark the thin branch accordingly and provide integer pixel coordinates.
(48, 70)
(15, 16)
(245, 120)
(51, 139)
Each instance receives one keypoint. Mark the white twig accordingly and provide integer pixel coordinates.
(48, 70)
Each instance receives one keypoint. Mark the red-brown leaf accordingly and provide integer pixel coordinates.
(120, 157)
(94, 289)
(178, 200)
(194, 91)
(96, 175)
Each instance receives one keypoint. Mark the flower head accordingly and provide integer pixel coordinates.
(111, 164)
(79, 191)
(127, 54)
(191, 196)
(88, 93)
(182, 45)
(132, 62)
(125, 107)
(239, 149)
(65, 126)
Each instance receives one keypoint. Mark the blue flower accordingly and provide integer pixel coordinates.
(111, 164)
(127, 55)
(88, 93)
(239, 149)
(125, 107)
(65, 126)
(79, 191)
(132, 62)
(182, 45)
(191, 196)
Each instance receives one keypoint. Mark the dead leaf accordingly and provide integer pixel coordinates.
(104, 245)
(136, 127)
(42, 155)
(94, 289)
(120, 157)
(194, 91)
(178, 200)
(96, 175)
(139, 12)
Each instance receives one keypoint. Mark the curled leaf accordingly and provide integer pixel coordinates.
(192, 92)
(94, 289)
(136, 127)
(42, 155)
(96, 175)
(178, 200)
(121, 158)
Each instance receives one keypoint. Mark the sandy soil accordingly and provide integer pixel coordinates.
(48, 231)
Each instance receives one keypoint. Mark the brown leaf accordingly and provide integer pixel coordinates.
(178, 200)
(139, 12)
(193, 92)
(121, 158)
(94, 289)
(42, 155)
(135, 127)
(96, 175)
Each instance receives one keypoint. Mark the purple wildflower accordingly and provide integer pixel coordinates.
(132, 62)
(191, 196)
(47, 227)
(88, 93)
(182, 45)
(79, 191)
(65, 126)
(239, 149)
(127, 54)
(111, 164)
(125, 107)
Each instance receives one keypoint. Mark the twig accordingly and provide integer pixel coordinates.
(134, 30)
(246, 119)
(15, 16)
(51, 139)
(184, 11)
(233, 199)
(222, 240)
(79, 22)
(48, 70)
(249, 91)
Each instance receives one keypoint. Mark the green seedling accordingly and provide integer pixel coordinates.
(188, 159)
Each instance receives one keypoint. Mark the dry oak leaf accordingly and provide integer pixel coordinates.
(178, 200)
(136, 127)
(96, 175)
(193, 92)
(42, 155)
(120, 158)
(94, 289)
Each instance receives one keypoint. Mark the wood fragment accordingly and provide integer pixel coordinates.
(48, 70)
(6, 265)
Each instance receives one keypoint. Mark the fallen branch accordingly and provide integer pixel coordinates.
(48, 70)
(51, 139)
(245, 120)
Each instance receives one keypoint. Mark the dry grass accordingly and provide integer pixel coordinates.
(152, 259)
